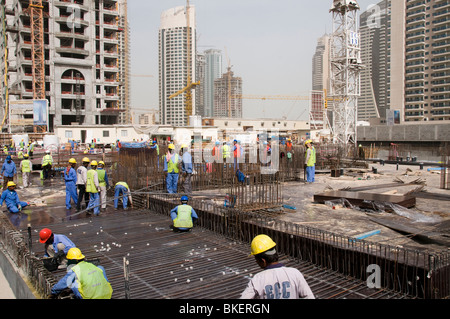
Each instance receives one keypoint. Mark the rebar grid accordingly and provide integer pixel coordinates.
(416, 273)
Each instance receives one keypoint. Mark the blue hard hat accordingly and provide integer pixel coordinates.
(184, 198)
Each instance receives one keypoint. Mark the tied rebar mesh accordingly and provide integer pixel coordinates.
(412, 272)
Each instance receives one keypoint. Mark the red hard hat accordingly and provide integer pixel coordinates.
(44, 235)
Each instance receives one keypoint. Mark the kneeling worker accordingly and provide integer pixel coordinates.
(10, 197)
(86, 280)
(56, 246)
(183, 216)
(276, 281)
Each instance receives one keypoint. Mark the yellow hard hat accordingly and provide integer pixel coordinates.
(74, 254)
(10, 183)
(261, 243)
(94, 163)
(171, 147)
(308, 142)
(184, 146)
(73, 161)
(86, 160)
(102, 163)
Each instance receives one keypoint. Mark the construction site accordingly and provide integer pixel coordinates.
(368, 227)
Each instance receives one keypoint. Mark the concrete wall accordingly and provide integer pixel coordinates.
(405, 133)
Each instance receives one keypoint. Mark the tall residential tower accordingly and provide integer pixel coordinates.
(173, 64)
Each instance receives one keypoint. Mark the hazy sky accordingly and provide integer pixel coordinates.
(270, 44)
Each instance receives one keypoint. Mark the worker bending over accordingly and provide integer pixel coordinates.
(12, 200)
(276, 281)
(124, 189)
(86, 280)
(183, 216)
(56, 246)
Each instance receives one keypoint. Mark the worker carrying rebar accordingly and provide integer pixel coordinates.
(183, 216)
(122, 188)
(26, 168)
(11, 199)
(81, 183)
(103, 181)
(8, 171)
(47, 162)
(186, 169)
(310, 161)
(276, 281)
(56, 246)
(85, 280)
(70, 178)
(93, 188)
(171, 169)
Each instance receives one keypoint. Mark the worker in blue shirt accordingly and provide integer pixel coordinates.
(186, 169)
(9, 170)
(11, 199)
(183, 216)
(70, 178)
(56, 245)
(85, 280)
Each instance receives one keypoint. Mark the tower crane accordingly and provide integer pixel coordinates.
(190, 85)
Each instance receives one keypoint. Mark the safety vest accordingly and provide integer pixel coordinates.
(26, 166)
(225, 151)
(20, 155)
(101, 177)
(47, 160)
(171, 166)
(184, 219)
(312, 158)
(91, 281)
(90, 185)
(122, 184)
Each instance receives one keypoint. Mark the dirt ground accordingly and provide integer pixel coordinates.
(427, 216)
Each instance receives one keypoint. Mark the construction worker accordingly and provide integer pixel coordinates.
(20, 154)
(70, 178)
(183, 216)
(22, 144)
(9, 171)
(92, 146)
(124, 189)
(10, 197)
(225, 152)
(93, 188)
(289, 149)
(81, 183)
(56, 246)
(26, 167)
(103, 182)
(310, 161)
(276, 281)
(12, 147)
(171, 162)
(186, 169)
(86, 280)
(31, 149)
(47, 162)
(236, 154)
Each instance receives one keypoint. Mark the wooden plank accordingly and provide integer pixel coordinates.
(358, 198)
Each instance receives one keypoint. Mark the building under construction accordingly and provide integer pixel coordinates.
(71, 53)
(331, 240)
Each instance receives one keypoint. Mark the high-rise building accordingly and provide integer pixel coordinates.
(227, 92)
(124, 63)
(320, 82)
(81, 49)
(173, 64)
(213, 71)
(321, 65)
(200, 89)
(420, 55)
(375, 55)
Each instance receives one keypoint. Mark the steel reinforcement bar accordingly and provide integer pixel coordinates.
(415, 273)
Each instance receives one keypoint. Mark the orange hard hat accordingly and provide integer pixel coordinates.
(44, 235)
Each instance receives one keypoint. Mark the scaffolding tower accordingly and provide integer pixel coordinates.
(345, 69)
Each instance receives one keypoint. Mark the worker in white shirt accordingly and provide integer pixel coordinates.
(276, 281)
